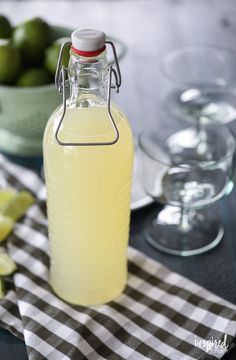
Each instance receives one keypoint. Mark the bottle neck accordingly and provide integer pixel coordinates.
(88, 78)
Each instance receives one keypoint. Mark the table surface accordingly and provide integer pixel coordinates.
(150, 29)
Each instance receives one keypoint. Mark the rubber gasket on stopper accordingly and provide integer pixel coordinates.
(88, 53)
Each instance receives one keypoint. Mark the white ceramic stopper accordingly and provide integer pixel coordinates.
(88, 39)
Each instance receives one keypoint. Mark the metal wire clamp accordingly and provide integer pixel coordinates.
(61, 82)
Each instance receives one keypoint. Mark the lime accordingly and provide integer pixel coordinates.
(5, 28)
(5, 197)
(10, 63)
(32, 37)
(17, 207)
(52, 54)
(7, 265)
(6, 226)
(33, 77)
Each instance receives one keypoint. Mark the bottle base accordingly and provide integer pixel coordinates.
(89, 300)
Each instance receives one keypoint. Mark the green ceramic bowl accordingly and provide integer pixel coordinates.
(24, 113)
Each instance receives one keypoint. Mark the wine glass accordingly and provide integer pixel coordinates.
(187, 178)
(202, 78)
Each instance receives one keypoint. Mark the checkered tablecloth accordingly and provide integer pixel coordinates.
(160, 315)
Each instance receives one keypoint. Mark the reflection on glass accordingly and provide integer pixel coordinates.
(188, 173)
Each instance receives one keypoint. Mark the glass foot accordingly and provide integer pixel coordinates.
(175, 233)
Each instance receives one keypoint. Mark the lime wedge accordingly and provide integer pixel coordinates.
(6, 226)
(16, 208)
(5, 197)
(7, 265)
(2, 291)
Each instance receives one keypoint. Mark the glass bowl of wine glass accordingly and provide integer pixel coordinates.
(187, 170)
(202, 78)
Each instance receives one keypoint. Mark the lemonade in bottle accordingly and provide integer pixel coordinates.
(88, 154)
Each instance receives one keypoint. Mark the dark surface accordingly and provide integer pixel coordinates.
(11, 347)
(150, 29)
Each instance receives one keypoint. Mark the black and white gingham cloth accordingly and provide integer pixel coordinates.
(160, 315)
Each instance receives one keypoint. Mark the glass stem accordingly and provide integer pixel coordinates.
(186, 217)
(200, 131)
(198, 126)
(202, 138)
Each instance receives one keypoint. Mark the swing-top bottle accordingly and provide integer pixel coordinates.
(88, 153)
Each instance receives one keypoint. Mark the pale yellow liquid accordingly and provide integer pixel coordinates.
(88, 190)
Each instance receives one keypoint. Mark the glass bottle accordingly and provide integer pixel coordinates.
(88, 154)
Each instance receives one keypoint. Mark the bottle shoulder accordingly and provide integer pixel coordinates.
(119, 111)
(83, 123)
(118, 114)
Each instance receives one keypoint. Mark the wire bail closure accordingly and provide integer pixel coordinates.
(61, 82)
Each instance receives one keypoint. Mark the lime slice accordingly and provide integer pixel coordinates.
(2, 287)
(5, 197)
(7, 265)
(6, 226)
(17, 207)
